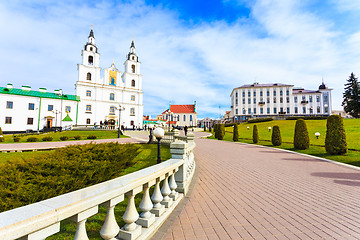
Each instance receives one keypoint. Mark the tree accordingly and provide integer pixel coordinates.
(351, 96)
(335, 141)
(255, 134)
(216, 127)
(209, 129)
(276, 136)
(236, 133)
(221, 131)
(301, 136)
(204, 128)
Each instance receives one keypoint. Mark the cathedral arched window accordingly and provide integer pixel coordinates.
(133, 58)
(112, 96)
(91, 60)
(133, 68)
(91, 48)
(88, 76)
(133, 83)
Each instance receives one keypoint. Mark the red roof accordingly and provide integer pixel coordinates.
(171, 122)
(227, 112)
(182, 108)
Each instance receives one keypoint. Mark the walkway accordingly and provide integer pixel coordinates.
(249, 192)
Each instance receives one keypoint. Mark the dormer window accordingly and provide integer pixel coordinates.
(91, 60)
(133, 83)
(88, 76)
(133, 68)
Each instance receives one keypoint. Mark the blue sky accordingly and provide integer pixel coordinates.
(190, 50)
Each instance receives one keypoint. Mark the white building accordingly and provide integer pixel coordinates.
(98, 99)
(181, 115)
(278, 101)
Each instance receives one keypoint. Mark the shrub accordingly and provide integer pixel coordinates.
(276, 136)
(255, 134)
(229, 124)
(335, 141)
(16, 139)
(204, 128)
(32, 139)
(221, 131)
(307, 118)
(77, 137)
(257, 120)
(216, 126)
(64, 138)
(301, 136)
(209, 129)
(1, 136)
(91, 137)
(236, 133)
(47, 139)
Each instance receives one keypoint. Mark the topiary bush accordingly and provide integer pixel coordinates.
(335, 141)
(204, 128)
(255, 134)
(258, 120)
(91, 137)
(47, 139)
(32, 139)
(1, 136)
(16, 139)
(64, 138)
(276, 136)
(236, 133)
(210, 129)
(301, 136)
(216, 126)
(77, 137)
(221, 131)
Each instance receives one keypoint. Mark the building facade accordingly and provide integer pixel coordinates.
(279, 101)
(181, 115)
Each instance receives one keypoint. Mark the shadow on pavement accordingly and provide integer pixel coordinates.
(347, 183)
(351, 176)
(301, 159)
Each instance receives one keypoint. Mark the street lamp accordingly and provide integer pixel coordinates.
(269, 129)
(159, 134)
(169, 114)
(248, 128)
(56, 113)
(317, 134)
(120, 108)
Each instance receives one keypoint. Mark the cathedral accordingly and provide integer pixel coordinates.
(114, 97)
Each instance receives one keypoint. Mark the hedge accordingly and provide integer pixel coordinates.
(236, 133)
(306, 118)
(257, 120)
(255, 134)
(221, 131)
(301, 135)
(335, 141)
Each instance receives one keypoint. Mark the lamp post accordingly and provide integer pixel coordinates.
(169, 114)
(159, 134)
(317, 134)
(56, 113)
(120, 108)
(269, 129)
(248, 128)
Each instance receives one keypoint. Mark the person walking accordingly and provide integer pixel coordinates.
(185, 130)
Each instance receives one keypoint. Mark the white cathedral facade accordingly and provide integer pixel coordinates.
(101, 98)
(115, 98)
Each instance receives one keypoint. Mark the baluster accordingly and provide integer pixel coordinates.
(146, 217)
(165, 190)
(110, 228)
(131, 230)
(156, 198)
(80, 219)
(174, 194)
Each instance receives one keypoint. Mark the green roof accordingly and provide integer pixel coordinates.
(31, 93)
(67, 119)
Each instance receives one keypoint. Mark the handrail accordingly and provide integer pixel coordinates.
(42, 219)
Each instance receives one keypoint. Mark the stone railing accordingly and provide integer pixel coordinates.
(42, 219)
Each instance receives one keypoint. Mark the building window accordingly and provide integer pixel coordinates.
(9, 105)
(274, 93)
(268, 92)
(268, 110)
(112, 109)
(274, 99)
(132, 123)
(311, 110)
(244, 111)
(112, 96)
(318, 109)
(249, 110)
(268, 100)
(132, 97)
(317, 98)
(184, 118)
(281, 100)
(243, 101)
(236, 111)
(325, 98)
(326, 109)
(249, 94)
(133, 68)
(190, 118)
(281, 92)
(236, 95)
(254, 93)
(243, 93)
(50, 107)
(295, 99)
(254, 101)
(8, 120)
(261, 93)
(304, 110)
(310, 98)
(88, 108)
(254, 110)
(249, 100)
(281, 110)
(236, 102)
(133, 83)
(287, 99)
(30, 121)
(287, 92)
(91, 48)
(303, 98)
(88, 93)
(288, 110)
(261, 110)
(132, 111)
(133, 58)
(31, 106)
(296, 110)
(88, 121)
(88, 76)
(91, 60)
(274, 110)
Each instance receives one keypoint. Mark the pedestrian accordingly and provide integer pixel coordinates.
(185, 130)
(101, 123)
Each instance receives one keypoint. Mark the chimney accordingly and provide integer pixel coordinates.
(25, 88)
(43, 90)
(9, 86)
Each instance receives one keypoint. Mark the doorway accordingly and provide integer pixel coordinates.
(48, 123)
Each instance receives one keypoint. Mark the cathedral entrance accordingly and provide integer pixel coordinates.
(48, 123)
(112, 123)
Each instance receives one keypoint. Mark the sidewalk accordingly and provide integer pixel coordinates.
(249, 192)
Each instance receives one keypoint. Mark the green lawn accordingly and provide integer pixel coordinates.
(70, 134)
(317, 146)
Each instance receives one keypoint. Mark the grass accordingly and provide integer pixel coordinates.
(70, 134)
(317, 146)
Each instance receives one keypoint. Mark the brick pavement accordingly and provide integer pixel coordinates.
(249, 192)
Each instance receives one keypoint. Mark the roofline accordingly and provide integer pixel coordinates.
(27, 95)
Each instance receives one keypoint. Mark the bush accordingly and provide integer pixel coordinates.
(276, 136)
(1, 136)
(16, 139)
(255, 134)
(301, 136)
(77, 137)
(210, 129)
(204, 128)
(91, 137)
(335, 141)
(32, 139)
(221, 131)
(216, 126)
(64, 138)
(47, 139)
(236, 133)
(258, 120)
(307, 118)
(229, 124)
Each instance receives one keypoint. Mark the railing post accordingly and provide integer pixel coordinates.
(110, 228)
(156, 198)
(167, 202)
(80, 219)
(146, 217)
(174, 195)
(190, 137)
(178, 150)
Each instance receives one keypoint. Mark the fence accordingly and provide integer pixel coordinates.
(42, 219)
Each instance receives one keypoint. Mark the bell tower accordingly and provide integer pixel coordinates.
(132, 77)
